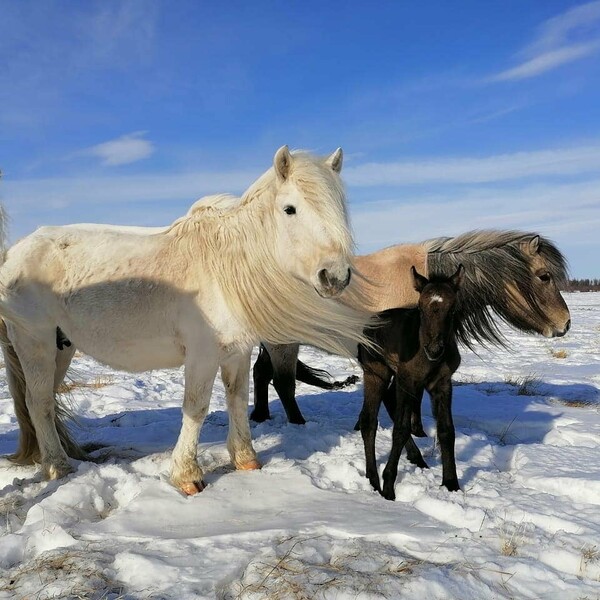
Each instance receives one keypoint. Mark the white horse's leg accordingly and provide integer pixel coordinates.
(186, 473)
(63, 362)
(235, 373)
(38, 359)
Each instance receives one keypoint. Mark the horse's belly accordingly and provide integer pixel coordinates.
(136, 355)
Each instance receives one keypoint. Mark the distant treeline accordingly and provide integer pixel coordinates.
(583, 285)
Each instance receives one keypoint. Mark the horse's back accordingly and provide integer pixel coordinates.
(388, 281)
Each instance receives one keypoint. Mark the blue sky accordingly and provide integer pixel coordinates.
(452, 115)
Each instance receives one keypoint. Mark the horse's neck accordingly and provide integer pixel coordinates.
(388, 281)
(401, 337)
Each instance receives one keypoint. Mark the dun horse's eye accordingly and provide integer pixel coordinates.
(545, 277)
(290, 210)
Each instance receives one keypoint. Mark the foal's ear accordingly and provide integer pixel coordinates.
(335, 160)
(457, 278)
(282, 163)
(419, 282)
(534, 245)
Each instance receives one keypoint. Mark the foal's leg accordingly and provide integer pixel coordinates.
(376, 379)
(416, 424)
(235, 375)
(38, 360)
(400, 435)
(441, 397)
(200, 373)
(262, 373)
(389, 401)
(413, 454)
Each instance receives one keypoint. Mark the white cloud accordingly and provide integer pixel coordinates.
(568, 213)
(123, 150)
(568, 37)
(546, 62)
(504, 167)
(81, 193)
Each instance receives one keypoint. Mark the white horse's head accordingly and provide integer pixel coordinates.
(313, 240)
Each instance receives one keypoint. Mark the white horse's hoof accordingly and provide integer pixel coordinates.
(52, 472)
(191, 488)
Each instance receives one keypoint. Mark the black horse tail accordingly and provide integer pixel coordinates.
(321, 378)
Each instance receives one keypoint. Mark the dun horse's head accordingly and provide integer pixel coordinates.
(437, 302)
(314, 241)
(538, 301)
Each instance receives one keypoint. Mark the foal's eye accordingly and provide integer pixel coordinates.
(545, 277)
(290, 210)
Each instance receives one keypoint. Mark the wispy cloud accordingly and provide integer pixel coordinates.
(79, 193)
(567, 212)
(47, 51)
(123, 150)
(503, 167)
(568, 37)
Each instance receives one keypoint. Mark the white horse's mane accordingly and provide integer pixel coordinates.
(274, 305)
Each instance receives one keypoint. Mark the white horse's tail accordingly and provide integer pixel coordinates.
(28, 451)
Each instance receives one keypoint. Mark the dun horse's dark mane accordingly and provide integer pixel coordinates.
(491, 260)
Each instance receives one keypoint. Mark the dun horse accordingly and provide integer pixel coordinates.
(514, 275)
(201, 292)
(418, 348)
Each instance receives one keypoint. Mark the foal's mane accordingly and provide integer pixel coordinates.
(233, 239)
(492, 259)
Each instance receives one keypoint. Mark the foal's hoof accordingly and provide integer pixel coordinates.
(388, 493)
(191, 488)
(251, 465)
(451, 485)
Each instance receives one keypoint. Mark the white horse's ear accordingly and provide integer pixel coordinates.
(282, 162)
(335, 160)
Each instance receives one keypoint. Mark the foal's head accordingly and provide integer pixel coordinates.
(437, 302)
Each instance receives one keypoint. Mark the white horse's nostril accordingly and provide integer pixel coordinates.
(323, 276)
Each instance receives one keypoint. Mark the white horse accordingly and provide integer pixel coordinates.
(201, 293)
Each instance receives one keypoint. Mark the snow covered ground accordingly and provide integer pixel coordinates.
(525, 525)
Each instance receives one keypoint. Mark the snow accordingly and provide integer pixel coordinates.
(526, 523)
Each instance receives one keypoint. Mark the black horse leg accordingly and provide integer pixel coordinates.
(441, 396)
(284, 358)
(376, 378)
(389, 401)
(416, 424)
(262, 373)
(400, 435)
(413, 454)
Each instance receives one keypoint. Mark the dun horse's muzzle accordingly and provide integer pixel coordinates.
(559, 333)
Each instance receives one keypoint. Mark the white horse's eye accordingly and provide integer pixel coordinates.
(290, 210)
